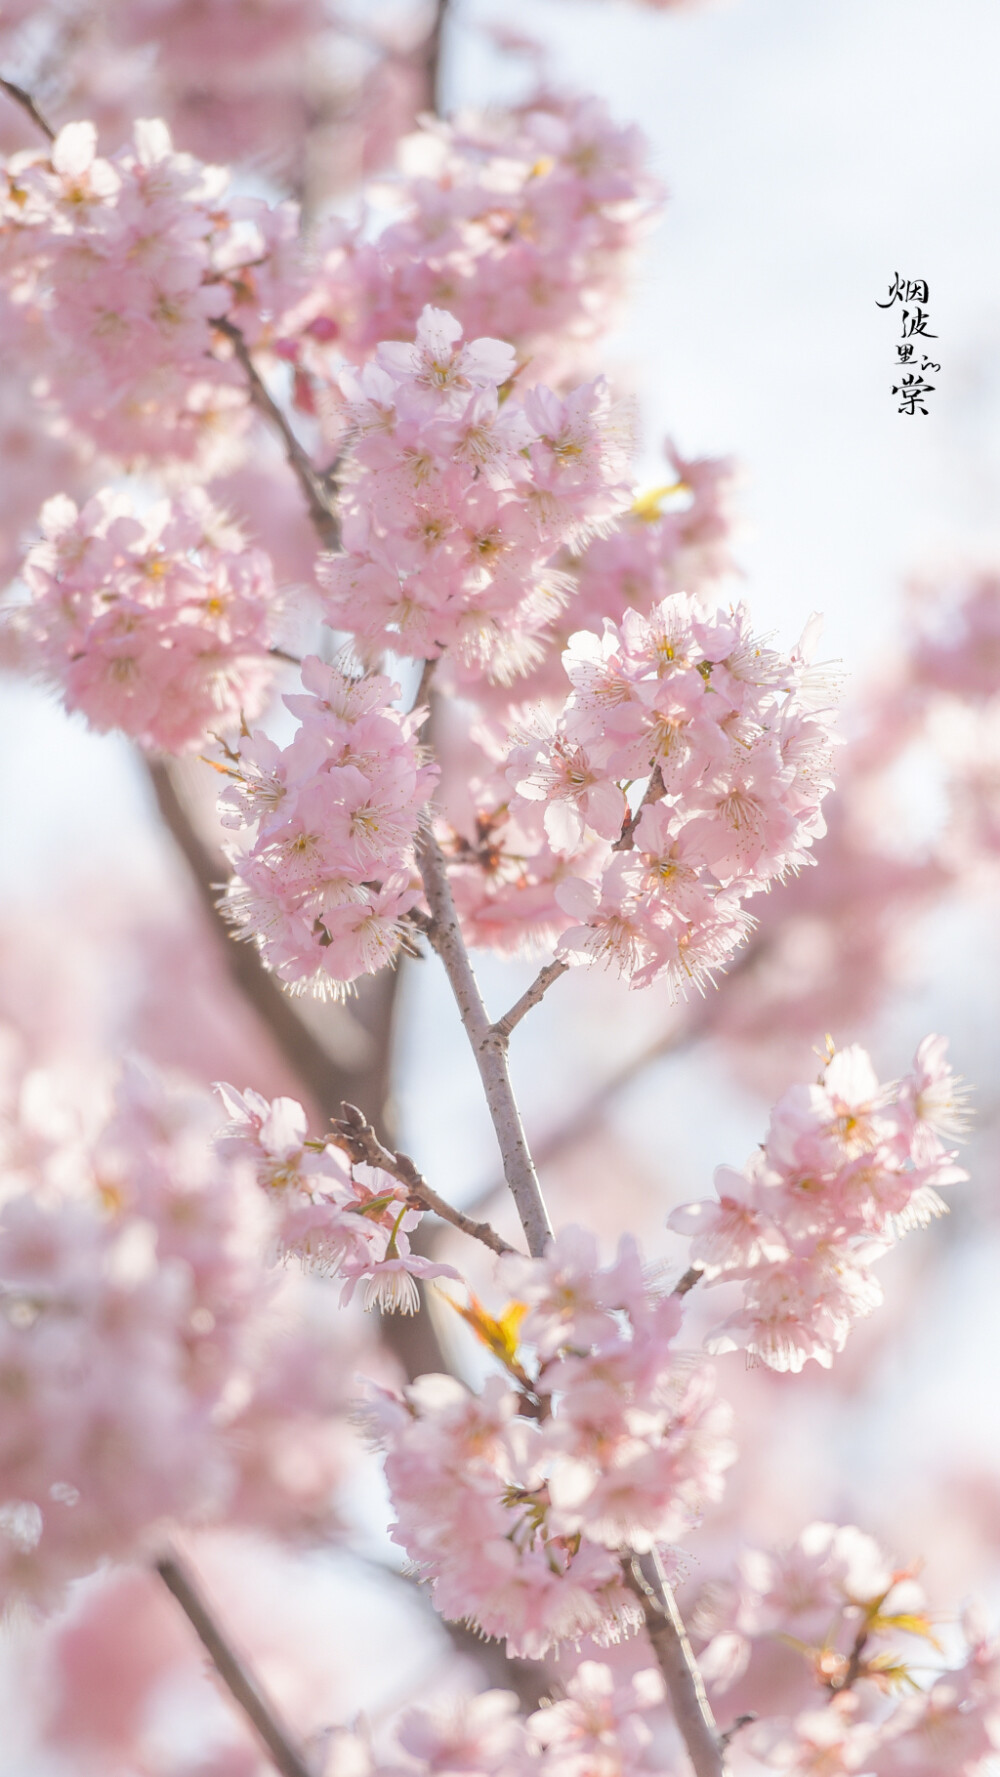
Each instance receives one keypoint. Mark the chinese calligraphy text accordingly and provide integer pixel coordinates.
(913, 388)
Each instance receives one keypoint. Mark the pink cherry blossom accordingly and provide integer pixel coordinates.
(156, 625)
(847, 1167)
(324, 875)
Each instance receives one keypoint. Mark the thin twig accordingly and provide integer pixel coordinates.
(675, 1658)
(27, 103)
(742, 1721)
(855, 1664)
(531, 997)
(488, 1047)
(656, 789)
(353, 1132)
(324, 518)
(241, 1685)
(688, 1281)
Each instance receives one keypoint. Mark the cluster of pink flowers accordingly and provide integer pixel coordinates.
(951, 694)
(674, 538)
(956, 647)
(339, 1219)
(158, 625)
(521, 223)
(113, 261)
(600, 1725)
(116, 269)
(848, 1164)
(721, 744)
(515, 1502)
(818, 1590)
(324, 882)
(829, 1610)
(458, 501)
(136, 1355)
(130, 1282)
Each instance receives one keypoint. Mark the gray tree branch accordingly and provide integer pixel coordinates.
(489, 1046)
(28, 105)
(241, 1685)
(317, 494)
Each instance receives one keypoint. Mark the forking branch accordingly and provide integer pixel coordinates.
(667, 1634)
(353, 1132)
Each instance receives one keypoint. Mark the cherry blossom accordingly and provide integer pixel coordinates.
(325, 874)
(158, 625)
(601, 1436)
(456, 503)
(523, 224)
(351, 1221)
(151, 1381)
(847, 1166)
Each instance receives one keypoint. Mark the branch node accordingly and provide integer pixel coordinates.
(354, 1134)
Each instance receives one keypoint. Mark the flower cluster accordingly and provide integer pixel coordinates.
(116, 270)
(136, 1357)
(324, 882)
(847, 1165)
(349, 1221)
(458, 501)
(119, 257)
(717, 744)
(956, 645)
(822, 1631)
(951, 695)
(515, 1502)
(604, 1724)
(155, 1375)
(157, 624)
(817, 1593)
(521, 223)
(674, 538)
(600, 1725)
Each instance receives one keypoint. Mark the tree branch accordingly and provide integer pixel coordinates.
(488, 1047)
(531, 997)
(433, 57)
(668, 1636)
(671, 1042)
(688, 1281)
(325, 1082)
(241, 1685)
(353, 1132)
(675, 1658)
(27, 103)
(324, 519)
(655, 791)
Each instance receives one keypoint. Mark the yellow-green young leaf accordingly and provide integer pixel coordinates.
(907, 1622)
(889, 1672)
(498, 1334)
